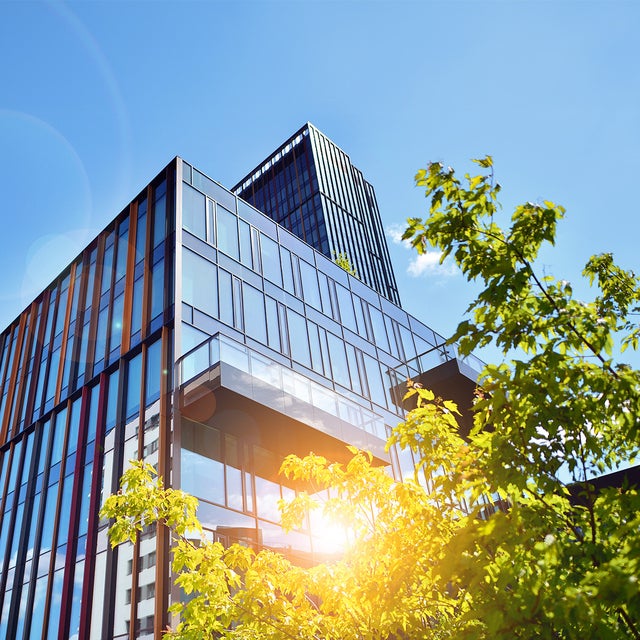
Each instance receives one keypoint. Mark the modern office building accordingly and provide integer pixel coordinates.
(196, 333)
(309, 186)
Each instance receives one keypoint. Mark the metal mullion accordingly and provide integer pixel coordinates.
(37, 345)
(146, 269)
(125, 339)
(94, 505)
(136, 545)
(65, 334)
(39, 522)
(112, 555)
(12, 379)
(95, 306)
(76, 347)
(161, 601)
(11, 525)
(22, 382)
(56, 522)
(72, 537)
(24, 539)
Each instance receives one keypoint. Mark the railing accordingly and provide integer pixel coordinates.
(266, 371)
(438, 355)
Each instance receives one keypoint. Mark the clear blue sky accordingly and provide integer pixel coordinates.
(96, 97)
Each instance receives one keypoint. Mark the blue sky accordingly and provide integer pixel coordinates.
(96, 97)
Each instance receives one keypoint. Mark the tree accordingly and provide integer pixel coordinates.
(342, 260)
(426, 559)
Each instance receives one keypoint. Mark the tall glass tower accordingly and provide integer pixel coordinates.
(309, 186)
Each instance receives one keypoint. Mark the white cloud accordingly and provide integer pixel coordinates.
(425, 264)
(429, 264)
(395, 232)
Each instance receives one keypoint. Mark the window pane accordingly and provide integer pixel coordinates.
(226, 297)
(193, 211)
(227, 232)
(310, 285)
(345, 305)
(339, 366)
(270, 260)
(141, 231)
(254, 318)
(160, 220)
(154, 372)
(273, 329)
(199, 283)
(245, 244)
(133, 386)
(123, 245)
(157, 289)
(298, 338)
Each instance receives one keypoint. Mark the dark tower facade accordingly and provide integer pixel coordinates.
(309, 186)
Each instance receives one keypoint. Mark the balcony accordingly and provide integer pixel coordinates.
(449, 376)
(282, 404)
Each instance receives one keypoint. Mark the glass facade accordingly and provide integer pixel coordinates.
(198, 334)
(309, 186)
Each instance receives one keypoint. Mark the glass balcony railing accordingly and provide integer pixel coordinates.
(268, 374)
(438, 355)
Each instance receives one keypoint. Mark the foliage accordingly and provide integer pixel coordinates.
(342, 260)
(426, 558)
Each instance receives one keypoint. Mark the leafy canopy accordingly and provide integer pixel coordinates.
(427, 558)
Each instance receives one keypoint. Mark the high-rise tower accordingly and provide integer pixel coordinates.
(309, 186)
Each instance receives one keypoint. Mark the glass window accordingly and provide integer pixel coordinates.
(116, 323)
(345, 305)
(267, 497)
(273, 329)
(107, 266)
(74, 427)
(123, 245)
(339, 368)
(270, 260)
(202, 476)
(298, 340)
(325, 296)
(310, 285)
(379, 332)
(136, 306)
(227, 232)
(58, 437)
(314, 343)
(101, 334)
(88, 302)
(226, 297)
(112, 401)
(199, 283)
(134, 371)
(53, 374)
(154, 372)
(254, 318)
(287, 273)
(62, 311)
(374, 379)
(363, 329)
(141, 231)
(160, 215)
(246, 256)
(157, 289)
(193, 211)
